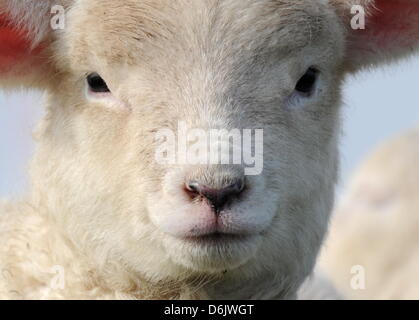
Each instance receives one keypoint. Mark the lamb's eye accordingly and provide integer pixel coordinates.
(96, 83)
(307, 82)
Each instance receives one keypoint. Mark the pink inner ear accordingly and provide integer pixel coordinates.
(394, 23)
(15, 48)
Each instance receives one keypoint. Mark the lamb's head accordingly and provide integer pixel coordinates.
(127, 80)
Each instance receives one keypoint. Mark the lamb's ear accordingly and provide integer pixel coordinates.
(391, 30)
(24, 42)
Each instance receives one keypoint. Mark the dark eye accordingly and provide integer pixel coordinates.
(307, 82)
(96, 83)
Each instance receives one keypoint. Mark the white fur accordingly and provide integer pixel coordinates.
(112, 218)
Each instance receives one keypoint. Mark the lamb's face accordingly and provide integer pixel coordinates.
(245, 65)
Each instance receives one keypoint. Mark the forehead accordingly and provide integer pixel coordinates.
(137, 30)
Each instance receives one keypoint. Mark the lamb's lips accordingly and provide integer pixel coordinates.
(200, 221)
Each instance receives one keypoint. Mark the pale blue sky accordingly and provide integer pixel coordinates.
(378, 104)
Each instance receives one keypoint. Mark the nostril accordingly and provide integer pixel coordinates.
(238, 187)
(193, 186)
(217, 198)
(192, 189)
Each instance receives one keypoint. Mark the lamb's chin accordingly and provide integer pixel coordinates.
(212, 253)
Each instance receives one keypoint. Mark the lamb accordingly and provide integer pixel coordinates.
(104, 219)
(373, 248)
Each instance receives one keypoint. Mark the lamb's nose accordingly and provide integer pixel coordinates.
(217, 198)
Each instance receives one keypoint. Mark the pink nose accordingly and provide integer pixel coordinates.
(217, 198)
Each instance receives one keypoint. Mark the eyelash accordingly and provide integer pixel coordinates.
(96, 84)
(307, 83)
(304, 88)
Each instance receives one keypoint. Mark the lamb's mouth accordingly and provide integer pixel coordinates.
(218, 239)
(213, 252)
